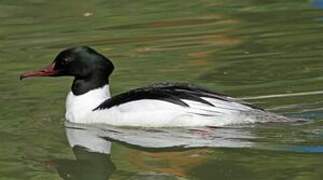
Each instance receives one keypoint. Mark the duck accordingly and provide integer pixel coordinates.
(165, 104)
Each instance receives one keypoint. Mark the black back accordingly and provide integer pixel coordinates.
(170, 92)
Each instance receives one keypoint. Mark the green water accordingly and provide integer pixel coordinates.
(241, 48)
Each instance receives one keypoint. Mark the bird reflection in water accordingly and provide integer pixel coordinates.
(92, 153)
(152, 153)
(148, 149)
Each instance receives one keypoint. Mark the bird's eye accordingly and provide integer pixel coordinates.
(65, 61)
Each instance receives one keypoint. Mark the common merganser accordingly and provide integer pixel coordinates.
(158, 105)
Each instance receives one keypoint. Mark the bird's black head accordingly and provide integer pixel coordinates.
(89, 68)
(82, 63)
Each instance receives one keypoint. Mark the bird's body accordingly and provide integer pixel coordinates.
(158, 105)
(141, 107)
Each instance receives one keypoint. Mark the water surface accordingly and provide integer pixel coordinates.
(244, 49)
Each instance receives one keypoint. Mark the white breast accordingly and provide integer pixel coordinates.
(78, 108)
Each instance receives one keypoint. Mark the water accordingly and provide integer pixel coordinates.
(247, 49)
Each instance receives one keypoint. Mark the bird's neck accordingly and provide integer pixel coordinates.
(84, 85)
